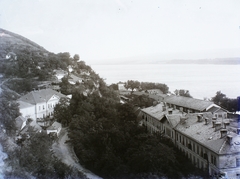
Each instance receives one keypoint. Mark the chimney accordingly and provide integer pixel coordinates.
(238, 131)
(223, 132)
(229, 139)
(182, 119)
(199, 118)
(213, 123)
(164, 108)
(206, 120)
(214, 118)
(225, 124)
(218, 126)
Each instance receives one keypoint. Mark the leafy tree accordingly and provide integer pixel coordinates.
(142, 101)
(132, 85)
(225, 102)
(36, 157)
(62, 112)
(76, 57)
(150, 85)
(114, 86)
(182, 92)
(9, 110)
(219, 98)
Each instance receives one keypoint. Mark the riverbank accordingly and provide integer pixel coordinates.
(203, 81)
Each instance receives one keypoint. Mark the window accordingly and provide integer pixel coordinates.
(238, 162)
(43, 107)
(190, 146)
(213, 160)
(39, 108)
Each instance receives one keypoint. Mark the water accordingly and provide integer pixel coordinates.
(201, 80)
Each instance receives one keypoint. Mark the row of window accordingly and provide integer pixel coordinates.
(187, 110)
(51, 105)
(196, 148)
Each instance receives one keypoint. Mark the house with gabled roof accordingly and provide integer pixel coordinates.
(54, 128)
(39, 103)
(20, 122)
(218, 112)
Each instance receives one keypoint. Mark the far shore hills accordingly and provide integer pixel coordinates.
(215, 61)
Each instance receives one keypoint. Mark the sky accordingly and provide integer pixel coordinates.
(111, 30)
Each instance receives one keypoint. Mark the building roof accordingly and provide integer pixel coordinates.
(23, 104)
(155, 91)
(19, 122)
(228, 148)
(204, 134)
(158, 112)
(55, 126)
(187, 102)
(213, 109)
(75, 78)
(38, 96)
(155, 111)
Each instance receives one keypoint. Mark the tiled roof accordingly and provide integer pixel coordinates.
(173, 119)
(19, 121)
(23, 104)
(38, 96)
(204, 134)
(155, 111)
(187, 102)
(54, 126)
(234, 147)
(213, 109)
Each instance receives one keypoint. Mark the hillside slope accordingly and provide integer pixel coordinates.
(11, 42)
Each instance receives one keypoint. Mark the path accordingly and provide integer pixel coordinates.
(65, 152)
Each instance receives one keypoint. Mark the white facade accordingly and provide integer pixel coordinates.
(39, 104)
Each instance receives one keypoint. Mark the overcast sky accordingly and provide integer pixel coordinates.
(113, 29)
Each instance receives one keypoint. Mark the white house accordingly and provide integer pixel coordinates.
(54, 128)
(60, 74)
(39, 103)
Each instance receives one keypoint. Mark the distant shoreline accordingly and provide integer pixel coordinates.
(216, 61)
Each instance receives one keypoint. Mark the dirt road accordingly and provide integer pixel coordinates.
(65, 153)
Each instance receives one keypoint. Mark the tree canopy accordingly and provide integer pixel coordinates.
(182, 92)
(225, 102)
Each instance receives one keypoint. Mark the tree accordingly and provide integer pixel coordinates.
(62, 112)
(219, 98)
(132, 85)
(76, 57)
(182, 92)
(225, 102)
(9, 110)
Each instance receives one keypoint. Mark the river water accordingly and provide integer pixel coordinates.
(201, 80)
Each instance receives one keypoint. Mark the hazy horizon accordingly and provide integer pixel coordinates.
(113, 30)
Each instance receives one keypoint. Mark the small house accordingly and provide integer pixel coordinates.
(54, 128)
